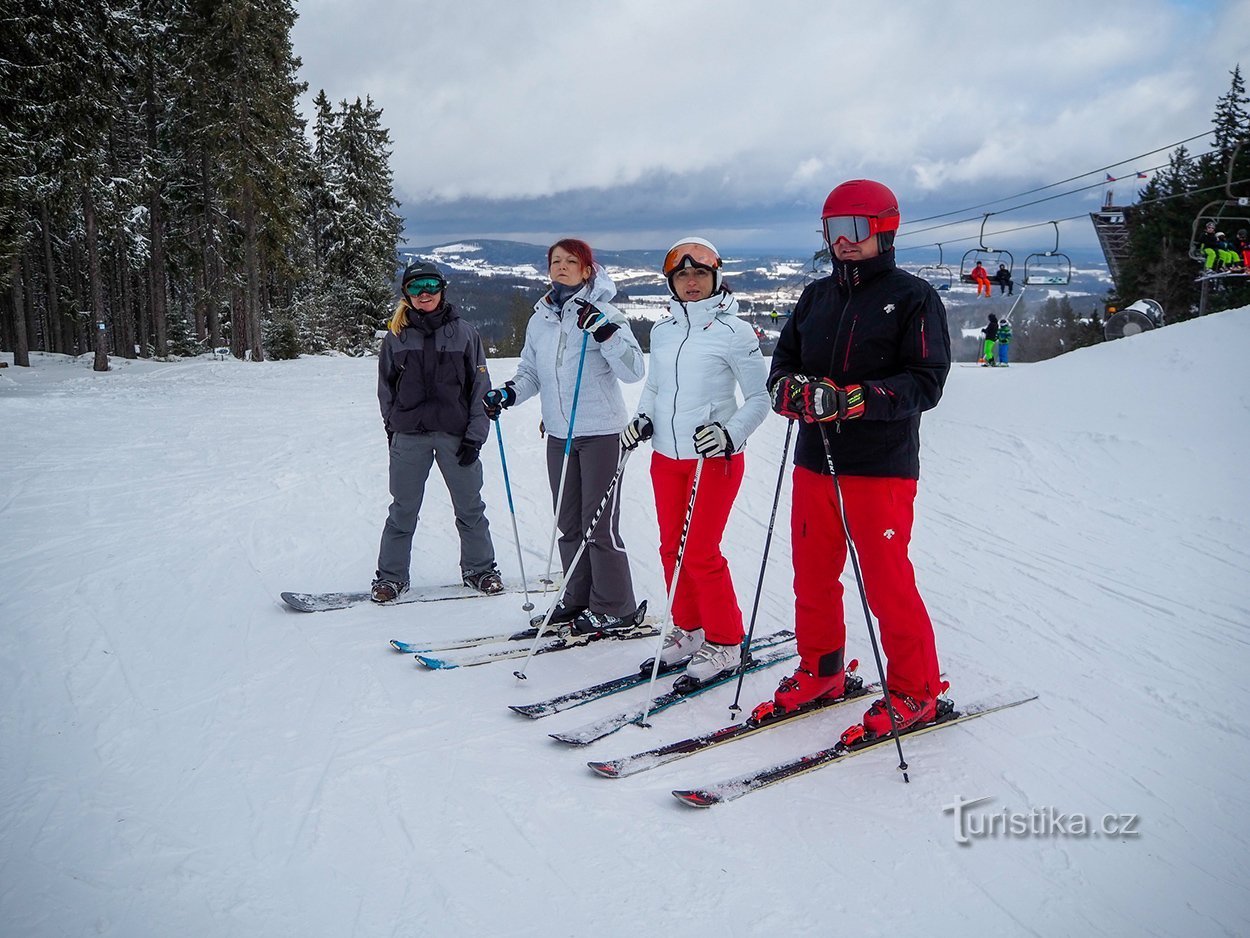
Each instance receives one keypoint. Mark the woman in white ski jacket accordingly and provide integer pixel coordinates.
(701, 354)
(575, 315)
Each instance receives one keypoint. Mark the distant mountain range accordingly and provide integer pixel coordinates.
(492, 279)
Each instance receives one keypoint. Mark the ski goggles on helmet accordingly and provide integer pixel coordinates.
(853, 228)
(423, 285)
(690, 255)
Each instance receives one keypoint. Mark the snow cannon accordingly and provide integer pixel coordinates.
(1140, 316)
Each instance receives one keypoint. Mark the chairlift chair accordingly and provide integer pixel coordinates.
(939, 275)
(990, 258)
(1231, 213)
(1052, 267)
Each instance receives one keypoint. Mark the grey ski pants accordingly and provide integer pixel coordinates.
(602, 579)
(412, 455)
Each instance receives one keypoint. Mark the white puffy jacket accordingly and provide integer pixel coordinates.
(698, 354)
(549, 361)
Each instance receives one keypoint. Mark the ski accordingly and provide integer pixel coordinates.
(328, 602)
(591, 732)
(662, 755)
(584, 695)
(409, 648)
(734, 788)
(560, 641)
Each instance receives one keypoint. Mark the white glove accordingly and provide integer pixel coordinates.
(712, 439)
(636, 431)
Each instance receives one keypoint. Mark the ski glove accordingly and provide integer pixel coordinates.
(468, 452)
(595, 321)
(636, 431)
(786, 395)
(496, 399)
(824, 401)
(712, 439)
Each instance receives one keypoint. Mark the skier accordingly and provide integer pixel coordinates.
(1004, 281)
(981, 278)
(1003, 341)
(1242, 246)
(864, 353)
(990, 335)
(690, 412)
(431, 377)
(599, 594)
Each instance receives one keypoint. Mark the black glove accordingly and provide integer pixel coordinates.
(712, 439)
(496, 399)
(468, 452)
(390, 437)
(595, 321)
(636, 431)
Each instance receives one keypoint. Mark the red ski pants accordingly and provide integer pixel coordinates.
(705, 591)
(880, 514)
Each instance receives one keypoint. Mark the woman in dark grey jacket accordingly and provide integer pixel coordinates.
(431, 378)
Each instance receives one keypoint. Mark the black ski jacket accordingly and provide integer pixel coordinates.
(874, 325)
(432, 376)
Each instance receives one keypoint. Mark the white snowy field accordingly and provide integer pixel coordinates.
(181, 755)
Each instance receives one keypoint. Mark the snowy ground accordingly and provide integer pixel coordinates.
(180, 755)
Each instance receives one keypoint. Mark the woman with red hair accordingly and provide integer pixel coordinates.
(574, 332)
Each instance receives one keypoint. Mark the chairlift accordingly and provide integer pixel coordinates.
(989, 257)
(939, 275)
(1229, 214)
(1051, 268)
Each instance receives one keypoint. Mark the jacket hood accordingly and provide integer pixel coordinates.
(599, 289)
(701, 313)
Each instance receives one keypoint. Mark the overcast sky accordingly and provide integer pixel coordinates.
(635, 122)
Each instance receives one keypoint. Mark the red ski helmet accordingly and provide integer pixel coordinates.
(870, 207)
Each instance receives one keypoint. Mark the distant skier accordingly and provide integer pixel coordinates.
(864, 353)
(599, 594)
(431, 378)
(1004, 341)
(981, 277)
(990, 338)
(701, 354)
(1004, 281)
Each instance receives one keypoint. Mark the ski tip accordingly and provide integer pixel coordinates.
(696, 798)
(606, 769)
(296, 602)
(569, 740)
(402, 647)
(526, 710)
(435, 664)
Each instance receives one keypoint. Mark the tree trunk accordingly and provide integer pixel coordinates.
(36, 334)
(21, 350)
(82, 339)
(212, 269)
(59, 340)
(97, 288)
(252, 302)
(159, 305)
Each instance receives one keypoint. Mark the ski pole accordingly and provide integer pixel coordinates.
(581, 549)
(564, 466)
(863, 597)
(503, 461)
(759, 585)
(666, 623)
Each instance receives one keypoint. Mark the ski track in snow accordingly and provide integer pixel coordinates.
(180, 754)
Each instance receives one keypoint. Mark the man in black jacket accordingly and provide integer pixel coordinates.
(864, 353)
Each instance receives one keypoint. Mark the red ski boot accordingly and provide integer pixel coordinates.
(825, 681)
(908, 711)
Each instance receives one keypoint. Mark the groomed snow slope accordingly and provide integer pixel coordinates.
(180, 755)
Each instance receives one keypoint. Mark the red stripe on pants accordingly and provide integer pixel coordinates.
(880, 514)
(705, 591)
